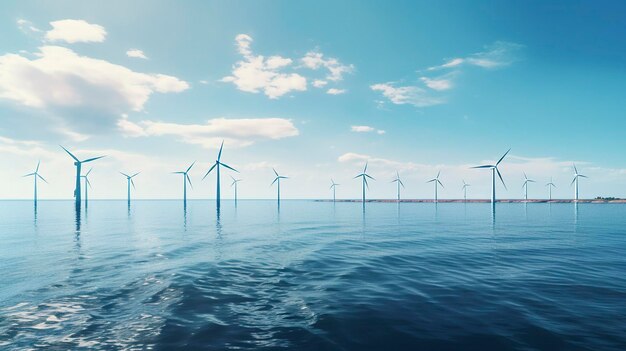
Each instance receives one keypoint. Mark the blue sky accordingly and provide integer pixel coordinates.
(313, 89)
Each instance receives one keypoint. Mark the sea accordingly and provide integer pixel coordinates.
(310, 275)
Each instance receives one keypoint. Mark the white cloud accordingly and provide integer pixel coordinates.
(237, 132)
(59, 77)
(254, 73)
(136, 53)
(437, 84)
(362, 129)
(75, 31)
(27, 27)
(335, 91)
(412, 95)
(380, 132)
(318, 83)
(498, 54)
(315, 60)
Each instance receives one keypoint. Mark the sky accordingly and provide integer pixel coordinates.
(314, 90)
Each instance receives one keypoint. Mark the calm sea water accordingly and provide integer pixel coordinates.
(312, 276)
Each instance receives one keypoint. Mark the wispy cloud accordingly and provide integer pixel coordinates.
(498, 54)
(315, 60)
(75, 31)
(136, 53)
(366, 129)
(335, 91)
(412, 95)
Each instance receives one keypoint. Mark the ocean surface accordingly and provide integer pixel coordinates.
(312, 276)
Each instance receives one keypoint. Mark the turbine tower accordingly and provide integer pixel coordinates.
(398, 183)
(185, 180)
(525, 186)
(550, 186)
(494, 170)
(78, 165)
(36, 175)
(364, 177)
(87, 183)
(575, 180)
(333, 187)
(217, 165)
(234, 183)
(464, 188)
(437, 183)
(129, 180)
(277, 180)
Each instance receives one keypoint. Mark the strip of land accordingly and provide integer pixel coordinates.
(589, 201)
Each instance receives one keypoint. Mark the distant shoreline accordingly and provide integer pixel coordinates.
(587, 201)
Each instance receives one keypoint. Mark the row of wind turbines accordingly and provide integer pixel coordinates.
(363, 175)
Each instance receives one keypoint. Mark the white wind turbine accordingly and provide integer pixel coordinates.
(525, 186)
(464, 188)
(575, 180)
(333, 187)
(437, 182)
(550, 186)
(36, 175)
(494, 170)
(398, 183)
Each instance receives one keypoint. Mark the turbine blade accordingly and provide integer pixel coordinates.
(573, 180)
(503, 156)
(575, 169)
(135, 174)
(365, 169)
(89, 171)
(231, 177)
(366, 184)
(74, 157)
(438, 181)
(219, 155)
(401, 183)
(189, 179)
(229, 167)
(584, 176)
(132, 182)
(194, 162)
(484, 166)
(438, 174)
(525, 177)
(275, 179)
(37, 169)
(125, 175)
(500, 175)
(40, 177)
(369, 176)
(209, 171)
(29, 174)
(432, 180)
(178, 172)
(92, 159)
(275, 171)
(88, 182)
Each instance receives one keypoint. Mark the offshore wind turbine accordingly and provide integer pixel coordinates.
(464, 188)
(575, 180)
(277, 180)
(494, 170)
(525, 186)
(36, 175)
(78, 165)
(364, 177)
(333, 186)
(398, 183)
(234, 183)
(217, 165)
(185, 180)
(129, 180)
(87, 183)
(550, 186)
(437, 183)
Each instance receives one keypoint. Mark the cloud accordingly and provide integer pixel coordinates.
(256, 74)
(79, 89)
(237, 132)
(335, 91)
(318, 83)
(412, 95)
(315, 60)
(498, 54)
(366, 129)
(75, 31)
(437, 84)
(27, 27)
(136, 53)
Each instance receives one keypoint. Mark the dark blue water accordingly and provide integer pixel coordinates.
(312, 277)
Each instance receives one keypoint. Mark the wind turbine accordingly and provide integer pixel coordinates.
(437, 182)
(333, 187)
(185, 180)
(234, 183)
(36, 175)
(129, 180)
(217, 164)
(277, 179)
(575, 180)
(78, 165)
(87, 183)
(464, 188)
(525, 186)
(550, 186)
(364, 177)
(494, 170)
(398, 183)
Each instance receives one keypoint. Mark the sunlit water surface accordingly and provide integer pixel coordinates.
(312, 276)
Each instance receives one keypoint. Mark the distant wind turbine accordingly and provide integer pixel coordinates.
(398, 183)
(364, 177)
(494, 170)
(78, 165)
(36, 175)
(277, 180)
(87, 183)
(437, 183)
(464, 188)
(129, 180)
(575, 180)
(217, 165)
(525, 186)
(185, 180)
(550, 186)
(234, 183)
(333, 187)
